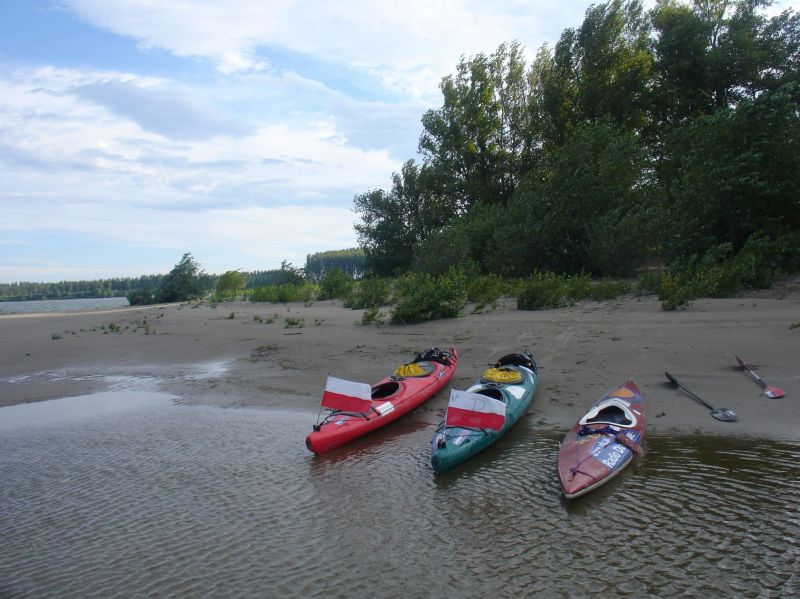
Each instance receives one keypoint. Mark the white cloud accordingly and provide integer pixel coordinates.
(408, 46)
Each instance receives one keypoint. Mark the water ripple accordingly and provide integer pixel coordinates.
(172, 501)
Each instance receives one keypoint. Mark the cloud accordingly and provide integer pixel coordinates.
(164, 111)
(406, 48)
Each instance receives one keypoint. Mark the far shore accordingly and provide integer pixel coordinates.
(242, 354)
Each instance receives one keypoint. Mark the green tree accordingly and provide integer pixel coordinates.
(588, 212)
(393, 223)
(184, 281)
(734, 173)
(480, 141)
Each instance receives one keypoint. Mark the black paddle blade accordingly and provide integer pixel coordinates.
(671, 379)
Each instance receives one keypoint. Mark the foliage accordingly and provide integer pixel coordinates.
(286, 274)
(281, 294)
(351, 261)
(485, 290)
(421, 297)
(373, 316)
(184, 281)
(733, 173)
(335, 284)
(543, 290)
(639, 138)
(370, 292)
(230, 284)
(721, 272)
(141, 297)
(548, 290)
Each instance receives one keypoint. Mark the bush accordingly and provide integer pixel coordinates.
(229, 285)
(485, 290)
(606, 289)
(371, 292)
(422, 297)
(141, 297)
(282, 293)
(543, 290)
(335, 284)
(372, 316)
(721, 273)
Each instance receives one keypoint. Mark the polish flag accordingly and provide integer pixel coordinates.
(346, 395)
(473, 410)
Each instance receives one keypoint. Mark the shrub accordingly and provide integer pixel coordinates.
(141, 297)
(422, 297)
(335, 284)
(485, 290)
(543, 290)
(373, 316)
(284, 293)
(606, 289)
(371, 292)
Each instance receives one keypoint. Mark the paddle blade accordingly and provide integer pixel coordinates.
(671, 378)
(725, 415)
(773, 392)
(741, 362)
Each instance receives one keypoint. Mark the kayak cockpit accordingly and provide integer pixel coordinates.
(385, 390)
(614, 411)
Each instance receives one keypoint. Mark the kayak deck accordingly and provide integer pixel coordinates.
(392, 397)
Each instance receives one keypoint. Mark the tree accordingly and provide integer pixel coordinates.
(479, 142)
(587, 212)
(184, 281)
(393, 223)
(734, 173)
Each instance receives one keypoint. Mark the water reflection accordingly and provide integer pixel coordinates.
(174, 500)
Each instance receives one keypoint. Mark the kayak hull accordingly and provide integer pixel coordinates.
(453, 445)
(392, 397)
(603, 442)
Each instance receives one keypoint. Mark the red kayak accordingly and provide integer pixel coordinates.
(409, 386)
(603, 442)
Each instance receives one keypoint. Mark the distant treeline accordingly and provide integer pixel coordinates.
(150, 288)
(350, 261)
(117, 287)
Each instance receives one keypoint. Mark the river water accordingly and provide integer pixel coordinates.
(128, 495)
(64, 305)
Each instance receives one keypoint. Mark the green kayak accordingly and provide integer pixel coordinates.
(513, 382)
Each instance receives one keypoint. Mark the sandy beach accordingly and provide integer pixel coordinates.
(256, 355)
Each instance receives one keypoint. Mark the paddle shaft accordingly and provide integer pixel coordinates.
(692, 395)
(744, 365)
(769, 390)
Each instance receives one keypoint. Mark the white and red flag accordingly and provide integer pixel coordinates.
(346, 395)
(473, 410)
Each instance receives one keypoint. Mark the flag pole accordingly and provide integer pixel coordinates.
(320, 408)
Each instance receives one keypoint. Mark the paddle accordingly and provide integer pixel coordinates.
(723, 414)
(769, 390)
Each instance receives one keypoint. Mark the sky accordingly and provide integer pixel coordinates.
(133, 131)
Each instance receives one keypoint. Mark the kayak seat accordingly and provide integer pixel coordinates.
(493, 393)
(385, 390)
(611, 412)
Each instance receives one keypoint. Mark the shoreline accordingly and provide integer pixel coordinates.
(242, 354)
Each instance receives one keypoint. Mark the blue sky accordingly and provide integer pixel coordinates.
(132, 131)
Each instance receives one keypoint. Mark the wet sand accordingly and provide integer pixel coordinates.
(256, 358)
